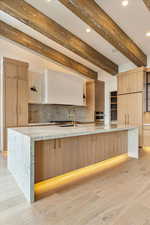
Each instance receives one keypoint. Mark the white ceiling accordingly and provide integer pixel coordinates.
(133, 19)
(55, 10)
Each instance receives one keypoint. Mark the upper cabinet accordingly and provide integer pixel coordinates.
(95, 99)
(99, 96)
(14, 92)
(131, 81)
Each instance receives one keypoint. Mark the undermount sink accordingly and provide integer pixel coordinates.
(68, 125)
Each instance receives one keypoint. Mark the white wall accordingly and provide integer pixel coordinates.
(126, 67)
(37, 63)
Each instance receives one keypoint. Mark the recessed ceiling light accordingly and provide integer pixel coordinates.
(148, 34)
(125, 3)
(88, 30)
(48, 0)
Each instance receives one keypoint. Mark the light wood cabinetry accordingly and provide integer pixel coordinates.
(59, 156)
(130, 111)
(131, 99)
(11, 102)
(22, 104)
(14, 96)
(95, 98)
(99, 96)
(131, 81)
(90, 100)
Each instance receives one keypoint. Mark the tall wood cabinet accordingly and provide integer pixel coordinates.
(14, 92)
(95, 98)
(131, 99)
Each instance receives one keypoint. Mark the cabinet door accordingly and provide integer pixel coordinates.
(135, 109)
(99, 96)
(45, 160)
(90, 100)
(11, 102)
(135, 112)
(52, 158)
(122, 109)
(130, 111)
(22, 71)
(131, 81)
(10, 68)
(22, 104)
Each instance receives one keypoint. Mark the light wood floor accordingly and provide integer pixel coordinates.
(120, 196)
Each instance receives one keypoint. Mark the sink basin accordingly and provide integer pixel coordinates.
(67, 125)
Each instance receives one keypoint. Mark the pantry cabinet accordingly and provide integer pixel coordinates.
(130, 111)
(95, 98)
(131, 99)
(14, 91)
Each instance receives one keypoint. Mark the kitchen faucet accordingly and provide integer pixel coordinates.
(72, 116)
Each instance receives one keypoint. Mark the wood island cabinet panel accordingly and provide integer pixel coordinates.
(59, 156)
(131, 81)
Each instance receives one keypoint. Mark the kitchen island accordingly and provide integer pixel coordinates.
(36, 154)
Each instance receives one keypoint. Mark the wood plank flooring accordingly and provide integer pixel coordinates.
(120, 196)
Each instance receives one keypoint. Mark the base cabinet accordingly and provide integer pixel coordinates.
(59, 156)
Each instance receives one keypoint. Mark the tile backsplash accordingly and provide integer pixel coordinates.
(40, 113)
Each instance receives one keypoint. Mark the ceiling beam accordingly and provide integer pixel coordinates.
(147, 3)
(92, 14)
(32, 17)
(21, 38)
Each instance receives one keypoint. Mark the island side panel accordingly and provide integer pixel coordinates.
(59, 156)
(133, 143)
(21, 162)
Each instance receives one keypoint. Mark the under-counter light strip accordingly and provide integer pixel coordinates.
(146, 148)
(53, 184)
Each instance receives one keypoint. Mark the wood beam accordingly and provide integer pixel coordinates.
(21, 38)
(147, 3)
(32, 17)
(92, 14)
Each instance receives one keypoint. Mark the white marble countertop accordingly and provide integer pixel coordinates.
(54, 132)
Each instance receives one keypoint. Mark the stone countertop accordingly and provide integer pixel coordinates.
(54, 132)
